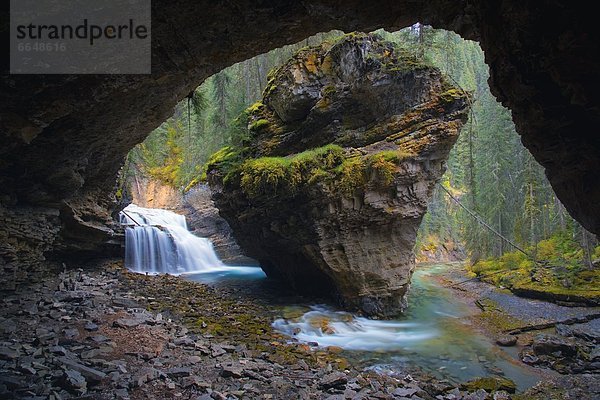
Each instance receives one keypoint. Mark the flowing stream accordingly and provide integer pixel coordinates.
(434, 335)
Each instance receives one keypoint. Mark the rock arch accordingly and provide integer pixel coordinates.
(63, 138)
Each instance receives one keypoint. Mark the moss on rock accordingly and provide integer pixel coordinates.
(490, 384)
(319, 194)
(259, 124)
(329, 165)
(559, 274)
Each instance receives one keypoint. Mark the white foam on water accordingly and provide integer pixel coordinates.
(341, 329)
(158, 241)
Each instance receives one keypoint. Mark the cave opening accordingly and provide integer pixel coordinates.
(503, 184)
(65, 137)
(550, 105)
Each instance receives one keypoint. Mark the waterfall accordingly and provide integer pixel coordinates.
(158, 241)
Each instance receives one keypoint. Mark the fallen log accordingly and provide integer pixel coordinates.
(537, 327)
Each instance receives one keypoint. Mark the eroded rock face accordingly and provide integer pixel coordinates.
(63, 137)
(342, 217)
(203, 220)
(150, 193)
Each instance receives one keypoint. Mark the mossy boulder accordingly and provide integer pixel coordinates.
(345, 149)
(341, 93)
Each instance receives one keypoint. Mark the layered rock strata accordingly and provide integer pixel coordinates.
(343, 155)
(64, 137)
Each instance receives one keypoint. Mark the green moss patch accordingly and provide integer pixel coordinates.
(452, 95)
(277, 175)
(496, 319)
(558, 275)
(331, 164)
(490, 384)
(259, 124)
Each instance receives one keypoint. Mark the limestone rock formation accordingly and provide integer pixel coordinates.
(204, 220)
(343, 155)
(63, 137)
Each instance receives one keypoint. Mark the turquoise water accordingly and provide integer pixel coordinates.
(434, 336)
(228, 273)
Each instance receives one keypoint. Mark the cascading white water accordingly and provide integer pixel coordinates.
(158, 241)
(336, 328)
(435, 334)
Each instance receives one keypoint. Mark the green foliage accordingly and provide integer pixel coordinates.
(194, 182)
(352, 174)
(451, 95)
(489, 170)
(169, 172)
(560, 269)
(378, 169)
(385, 164)
(259, 124)
(393, 156)
(383, 168)
(224, 159)
(160, 156)
(273, 176)
(325, 157)
(267, 175)
(490, 384)
(255, 107)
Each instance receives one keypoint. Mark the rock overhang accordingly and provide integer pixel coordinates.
(313, 197)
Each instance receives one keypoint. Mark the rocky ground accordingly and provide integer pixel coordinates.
(112, 334)
(546, 335)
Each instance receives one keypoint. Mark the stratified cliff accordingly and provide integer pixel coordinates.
(342, 156)
(63, 138)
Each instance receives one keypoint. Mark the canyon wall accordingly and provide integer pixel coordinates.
(63, 138)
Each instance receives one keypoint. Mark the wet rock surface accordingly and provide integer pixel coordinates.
(571, 348)
(366, 129)
(204, 220)
(112, 334)
(564, 352)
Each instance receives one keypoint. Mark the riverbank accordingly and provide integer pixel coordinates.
(542, 334)
(564, 273)
(113, 334)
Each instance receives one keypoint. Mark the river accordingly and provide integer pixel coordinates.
(435, 336)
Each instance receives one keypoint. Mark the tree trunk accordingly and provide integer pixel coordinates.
(587, 241)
